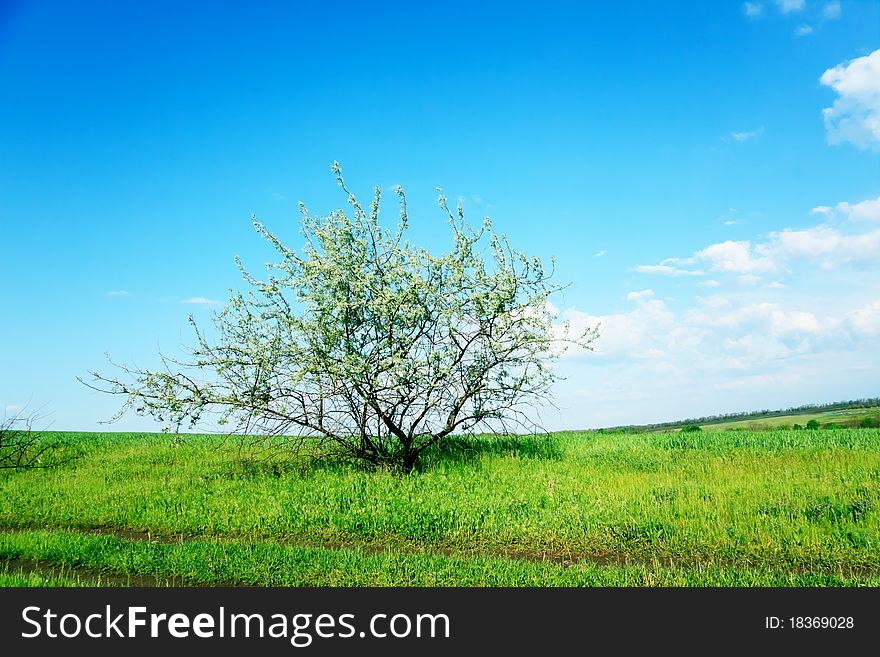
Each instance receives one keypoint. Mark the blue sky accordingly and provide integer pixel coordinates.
(706, 175)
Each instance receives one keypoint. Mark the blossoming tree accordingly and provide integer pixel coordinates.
(363, 346)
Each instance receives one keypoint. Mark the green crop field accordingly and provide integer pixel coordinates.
(847, 417)
(708, 508)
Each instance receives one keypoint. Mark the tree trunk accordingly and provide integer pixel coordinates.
(409, 460)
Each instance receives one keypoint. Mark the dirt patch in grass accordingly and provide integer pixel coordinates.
(88, 576)
(564, 560)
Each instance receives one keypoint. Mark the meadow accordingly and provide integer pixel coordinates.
(708, 508)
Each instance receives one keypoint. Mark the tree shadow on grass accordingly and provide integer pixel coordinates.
(452, 450)
(469, 449)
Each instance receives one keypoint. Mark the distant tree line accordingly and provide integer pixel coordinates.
(806, 409)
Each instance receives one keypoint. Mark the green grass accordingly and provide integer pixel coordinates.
(706, 508)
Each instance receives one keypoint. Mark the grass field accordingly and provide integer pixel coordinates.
(720, 508)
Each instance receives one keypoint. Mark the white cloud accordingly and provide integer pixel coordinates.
(788, 6)
(639, 334)
(200, 301)
(736, 257)
(831, 10)
(868, 210)
(764, 318)
(796, 322)
(828, 245)
(709, 331)
(599, 254)
(718, 353)
(753, 9)
(715, 301)
(864, 211)
(719, 334)
(803, 30)
(666, 270)
(855, 115)
(866, 321)
(772, 329)
(641, 295)
(117, 293)
(811, 242)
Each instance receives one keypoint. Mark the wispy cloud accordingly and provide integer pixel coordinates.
(803, 30)
(743, 136)
(117, 293)
(855, 115)
(677, 261)
(749, 280)
(11, 410)
(201, 301)
(599, 254)
(831, 11)
(731, 218)
(788, 6)
(740, 136)
(753, 9)
(666, 270)
(640, 295)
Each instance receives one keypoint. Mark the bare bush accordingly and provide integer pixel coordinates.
(22, 447)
